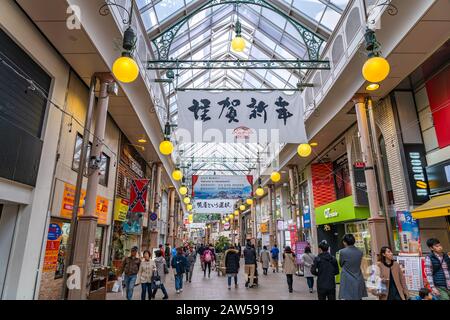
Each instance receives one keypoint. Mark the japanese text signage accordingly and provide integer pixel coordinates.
(415, 163)
(218, 194)
(228, 116)
(69, 199)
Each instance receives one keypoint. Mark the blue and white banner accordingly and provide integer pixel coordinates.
(234, 116)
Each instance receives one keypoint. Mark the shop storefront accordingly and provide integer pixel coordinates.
(128, 226)
(335, 219)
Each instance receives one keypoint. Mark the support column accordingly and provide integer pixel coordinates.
(272, 224)
(380, 170)
(156, 204)
(296, 214)
(377, 223)
(172, 193)
(87, 224)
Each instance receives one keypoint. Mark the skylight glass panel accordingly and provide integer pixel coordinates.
(314, 9)
(149, 19)
(265, 40)
(166, 8)
(271, 78)
(330, 18)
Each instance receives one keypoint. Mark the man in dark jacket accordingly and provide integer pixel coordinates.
(250, 262)
(325, 267)
(232, 258)
(180, 266)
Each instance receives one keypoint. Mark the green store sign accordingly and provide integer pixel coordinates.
(339, 211)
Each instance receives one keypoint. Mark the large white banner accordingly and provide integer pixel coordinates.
(235, 116)
(219, 194)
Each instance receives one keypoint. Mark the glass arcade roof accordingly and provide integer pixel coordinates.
(207, 35)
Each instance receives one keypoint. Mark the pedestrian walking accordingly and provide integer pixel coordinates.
(191, 258)
(208, 259)
(437, 265)
(145, 274)
(325, 267)
(200, 252)
(250, 262)
(167, 254)
(232, 259)
(162, 268)
(180, 266)
(392, 277)
(289, 267)
(264, 257)
(130, 267)
(353, 286)
(275, 252)
(307, 261)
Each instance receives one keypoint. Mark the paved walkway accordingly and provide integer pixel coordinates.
(271, 287)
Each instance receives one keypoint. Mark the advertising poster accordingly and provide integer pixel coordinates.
(292, 228)
(68, 200)
(412, 268)
(133, 223)
(408, 230)
(120, 209)
(300, 250)
(218, 194)
(306, 218)
(52, 247)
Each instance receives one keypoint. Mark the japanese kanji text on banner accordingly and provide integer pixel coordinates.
(230, 116)
(218, 194)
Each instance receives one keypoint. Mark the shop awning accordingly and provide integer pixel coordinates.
(436, 207)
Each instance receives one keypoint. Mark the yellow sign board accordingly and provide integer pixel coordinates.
(121, 209)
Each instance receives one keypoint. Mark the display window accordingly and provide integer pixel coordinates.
(64, 247)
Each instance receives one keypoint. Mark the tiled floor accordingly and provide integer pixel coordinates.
(271, 287)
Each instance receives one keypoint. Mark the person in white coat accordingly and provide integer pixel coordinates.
(307, 261)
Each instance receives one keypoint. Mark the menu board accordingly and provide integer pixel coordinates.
(412, 268)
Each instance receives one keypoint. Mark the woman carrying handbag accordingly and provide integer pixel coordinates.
(159, 276)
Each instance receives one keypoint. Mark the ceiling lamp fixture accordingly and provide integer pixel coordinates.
(166, 146)
(125, 68)
(238, 43)
(177, 175)
(142, 140)
(304, 150)
(376, 69)
(183, 190)
(275, 176)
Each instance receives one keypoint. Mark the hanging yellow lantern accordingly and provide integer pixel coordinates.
(259, 192)
(226, 219)
(236, 212)
(249, 201)
(304, 150)
(183, 190)
(177, 175)
(376, 69)
(275, 176)
(125, 69)
(242, 207)
(187, 200)
(223, 221)
(231, 216)
(189, 207)
(238, 44)
(166, 147)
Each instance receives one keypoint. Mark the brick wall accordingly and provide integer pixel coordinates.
(384, 118)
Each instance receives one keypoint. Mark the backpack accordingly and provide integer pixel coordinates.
(208, 256)
(179, 260)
